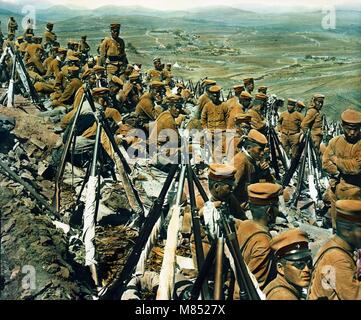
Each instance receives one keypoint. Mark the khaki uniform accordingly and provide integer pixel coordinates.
(257, 120)
(112, 55)
(341, 156)
(202, 101)
(289, 125)
(254, 241)
(54, 68)
(49, 37)
(234, 108)
(145, 108)
(69, 116)
(68, 95)
(214, 117)
(164, 121)
(313, 120)
(12, 26)
(154, 75)
(281, 289)
(336, 256)
(247, 172)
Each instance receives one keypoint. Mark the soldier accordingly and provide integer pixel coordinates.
(29, 27)
(57, 63)
(204, 98)
(236, 105)
(34, 54)
(313, 119)
(249, 85)
(335, 271)
(155, 74)
(12, 25)
(10, 41)
(258, 122)
(112, 52)
(215, 112)
(262, 89)
(146, 107)
(300, 107)
(250, 165)
(289, 126)
(28, 39)
(342, 161)
(166, 128)
(294, 266)
(253, 235)
(73, 84)
(84, 48)
(168, 76)
(19, 41)
(49, 36)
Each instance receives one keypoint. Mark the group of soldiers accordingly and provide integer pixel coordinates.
(240, 180)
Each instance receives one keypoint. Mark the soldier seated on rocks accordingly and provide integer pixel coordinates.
(335, 270)
(258, 121)
(236, 105)
(156, 73)
(251, 165)
(253, 235)
(294, 266)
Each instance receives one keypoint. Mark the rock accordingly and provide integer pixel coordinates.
(7, 124)
(42, 146)
(64, 273)
(53, 268)
(15, 272)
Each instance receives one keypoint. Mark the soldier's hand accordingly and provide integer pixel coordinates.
(264, 165)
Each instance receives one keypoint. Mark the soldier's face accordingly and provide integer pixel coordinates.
(256, 152)
(222, 191)
(319, 103)
(290, 108)
(174, 111)
(250, 86)
(352, 133)
(115, 33)
(215, 97)
(297, 272)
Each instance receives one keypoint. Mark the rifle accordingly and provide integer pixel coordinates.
(10, 96)
(25, 79)
(30, 189)
(121, 163)
(116, 288)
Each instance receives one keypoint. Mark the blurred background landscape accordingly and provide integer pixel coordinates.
(286, 49)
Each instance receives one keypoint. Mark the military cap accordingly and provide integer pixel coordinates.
(73, 69)
(73, 58)
(87, 73)
(115, 26)
(351, 116)
(348, 210)
(168, 64)
(156, 59)
(117, 80)
(28, 35)
(318, 96)
(246, 95)
(291, 102)
(49, 24)
(20, 38)
(208, 82)
(214, 89)
(261, 96)
(242, 118)
(134, 75)
(247, 81)
(238, 87)
(300, 104)
(291, 244)
(62, 50)
(100, 91)
(156, 84)
(221, 172)
(263, 193)
(261, 88)
(98, 69)
(83, 37)
(258, 137)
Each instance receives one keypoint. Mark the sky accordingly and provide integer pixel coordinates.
(184, 4)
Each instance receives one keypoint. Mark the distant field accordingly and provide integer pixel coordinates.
(291, 53)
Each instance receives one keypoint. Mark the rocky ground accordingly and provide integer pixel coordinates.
(42, 257)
